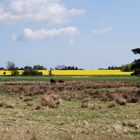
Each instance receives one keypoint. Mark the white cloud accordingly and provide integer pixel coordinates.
(71, 41)
(44, 34)
(51, 11)
(102, 31)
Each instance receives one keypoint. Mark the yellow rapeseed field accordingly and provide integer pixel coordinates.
(73, 72)
(44, 72)
(89, 72)
(8, 72)
(5, 72)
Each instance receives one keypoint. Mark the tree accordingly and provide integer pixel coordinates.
(39, 67)
(114, 68)
(136, 51)
(136, 64)
(50, 72)
(127, 67)
(4, 73)
(63, 67)
(60, 67)
(29, 71)
(27, 68)
(11, 65)
(15, 72)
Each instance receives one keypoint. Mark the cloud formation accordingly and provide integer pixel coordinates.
(44, 34)
(102, 31)
(29, 11)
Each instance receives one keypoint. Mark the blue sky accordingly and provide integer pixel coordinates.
(89, 34)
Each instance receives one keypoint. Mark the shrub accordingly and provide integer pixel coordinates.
(31, 72)
(15, 72)
(52, 101)
(136, 73)
(113, 104)
(85, 103)
(121, 101)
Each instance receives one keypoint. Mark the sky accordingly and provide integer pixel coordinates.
(90, 34)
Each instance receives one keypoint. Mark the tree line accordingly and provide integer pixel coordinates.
(27, 70)
(33, 70)
(133, 67)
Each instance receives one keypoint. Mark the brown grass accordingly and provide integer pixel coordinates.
(52, 101)
(81, 110)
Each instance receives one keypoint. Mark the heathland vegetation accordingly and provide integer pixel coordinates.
(70, 109)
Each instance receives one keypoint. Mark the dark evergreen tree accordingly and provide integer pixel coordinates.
(136, 64)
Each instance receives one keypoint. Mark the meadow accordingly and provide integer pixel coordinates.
(124, 78)
(72, 108)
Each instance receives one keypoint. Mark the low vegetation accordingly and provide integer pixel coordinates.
(73, 110)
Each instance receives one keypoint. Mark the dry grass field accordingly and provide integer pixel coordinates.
(69, 110)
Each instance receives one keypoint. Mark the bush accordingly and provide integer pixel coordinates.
(120, 101)
(52, 101)
(136, 73)
(31, 72)
(15, 72)
(126, 67)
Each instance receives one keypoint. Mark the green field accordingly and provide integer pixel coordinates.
(94, 78)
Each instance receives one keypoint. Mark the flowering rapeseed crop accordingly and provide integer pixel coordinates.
(73, 72)
(89, 72)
